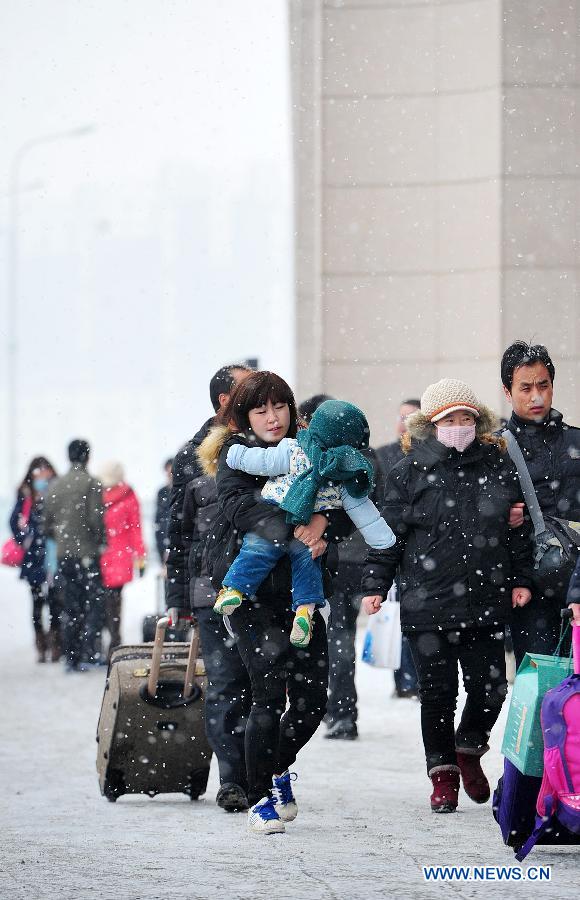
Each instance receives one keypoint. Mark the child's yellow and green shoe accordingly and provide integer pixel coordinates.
(301, 627)
(227, 601)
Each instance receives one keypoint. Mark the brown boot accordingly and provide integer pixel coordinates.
(445, 780)
(54, 644)
(40, 646)
(475, 783)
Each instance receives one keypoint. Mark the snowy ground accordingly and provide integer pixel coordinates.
(364, 830)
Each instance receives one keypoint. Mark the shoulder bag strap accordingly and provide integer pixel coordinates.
(526, 483)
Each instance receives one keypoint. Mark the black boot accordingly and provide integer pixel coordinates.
(232, 797)
(54, 644)
(40, 638)
(342, 730)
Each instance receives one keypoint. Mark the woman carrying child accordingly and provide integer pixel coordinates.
(319, 470)
(461, 570)
(261, 413)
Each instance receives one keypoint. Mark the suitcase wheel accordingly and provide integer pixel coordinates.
(114, 786)
(198, 783)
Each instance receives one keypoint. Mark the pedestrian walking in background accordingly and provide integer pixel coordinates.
(389, 455)
(462, 568)
(38, 564)
(189, 590)
(342, 713)
(289, 684)
(125, 549)
(163, 513)
(551, 450)
(73, 518)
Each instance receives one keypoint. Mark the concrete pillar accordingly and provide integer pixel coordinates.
(435, 194)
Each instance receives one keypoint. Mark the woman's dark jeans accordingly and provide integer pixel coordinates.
(279, 672)
(41, 595)
(227, 699)
(480, 652)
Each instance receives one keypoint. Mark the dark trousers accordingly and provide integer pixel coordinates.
(41, 595)
(227, 699)
(535, 628)
(480, 653)
(79, 591)
(344, 606)
(111, 601)
(279, 672)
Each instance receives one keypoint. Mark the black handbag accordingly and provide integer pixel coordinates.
(557, 541)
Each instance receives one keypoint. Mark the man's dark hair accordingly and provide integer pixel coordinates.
(520, 353)
(79, 451)
(308, 407)
(223, 382)
(413, 402)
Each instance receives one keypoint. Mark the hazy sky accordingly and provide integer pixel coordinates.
(159, 246)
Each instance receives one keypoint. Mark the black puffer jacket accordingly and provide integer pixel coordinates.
(186, 467)
(240, 501)
(458, 558)
(552, 454)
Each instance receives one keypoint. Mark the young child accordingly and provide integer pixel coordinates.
(321, 469)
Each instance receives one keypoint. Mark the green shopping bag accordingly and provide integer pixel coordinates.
(523, 743)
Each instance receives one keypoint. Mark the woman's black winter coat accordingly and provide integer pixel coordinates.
(240, 501)
(33, 569)
(458, 558)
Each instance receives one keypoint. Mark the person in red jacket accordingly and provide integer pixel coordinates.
(125, 547)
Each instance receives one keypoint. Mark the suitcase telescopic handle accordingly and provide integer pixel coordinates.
(157, 654)
(567, 614)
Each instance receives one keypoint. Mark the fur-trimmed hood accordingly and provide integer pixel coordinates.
(420, 428)
(210, 448)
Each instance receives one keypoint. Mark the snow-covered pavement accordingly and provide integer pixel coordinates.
(364, 829)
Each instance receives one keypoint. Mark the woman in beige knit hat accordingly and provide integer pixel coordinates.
(461, 571)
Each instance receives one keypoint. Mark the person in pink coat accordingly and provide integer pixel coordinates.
(125, 547)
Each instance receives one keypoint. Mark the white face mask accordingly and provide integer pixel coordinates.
(458, 436)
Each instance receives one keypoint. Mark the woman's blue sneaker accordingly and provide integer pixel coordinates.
(282, 792)
(263, 818)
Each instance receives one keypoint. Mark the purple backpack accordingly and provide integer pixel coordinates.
(558, 802)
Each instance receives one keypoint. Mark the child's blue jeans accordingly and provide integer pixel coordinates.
(257, 558)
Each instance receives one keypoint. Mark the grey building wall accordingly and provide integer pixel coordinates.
(436, 151)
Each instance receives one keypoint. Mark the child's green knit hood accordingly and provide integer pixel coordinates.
(338, 431)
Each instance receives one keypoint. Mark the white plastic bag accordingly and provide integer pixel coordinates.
(382, 642)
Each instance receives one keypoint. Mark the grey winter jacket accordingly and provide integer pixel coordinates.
(186, 467)
(200, 507)
(73, 515)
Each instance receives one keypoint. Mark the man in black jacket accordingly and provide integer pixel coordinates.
(185, 468)
(192, 505)
(405, 677)
(551, 449)
(162, 512)
(390, 454)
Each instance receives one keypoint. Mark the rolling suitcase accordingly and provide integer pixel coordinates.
(151, 732)
(150, 621)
